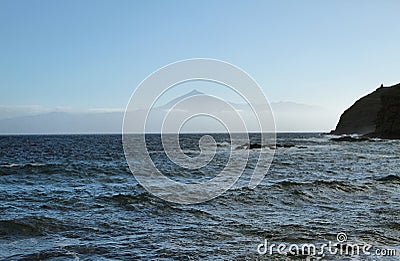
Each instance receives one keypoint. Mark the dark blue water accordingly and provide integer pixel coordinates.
(74, 197)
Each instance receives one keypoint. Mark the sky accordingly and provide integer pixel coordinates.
(85, 55)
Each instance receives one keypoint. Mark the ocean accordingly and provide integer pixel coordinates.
(73, 197)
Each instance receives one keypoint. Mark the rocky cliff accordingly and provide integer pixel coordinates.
(374, 115)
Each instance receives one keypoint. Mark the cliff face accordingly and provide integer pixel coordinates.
(375, 115)
(388, 120)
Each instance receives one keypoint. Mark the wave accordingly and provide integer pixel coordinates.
(327, 184)
(69, 252)
(145, 199)
(28, 168)
(30, 226)
(128, 199)
(390, 178)
(16, 165)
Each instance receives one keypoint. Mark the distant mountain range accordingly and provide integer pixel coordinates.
(64, 122)
(289, 116)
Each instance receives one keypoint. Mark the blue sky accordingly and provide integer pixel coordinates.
(92, 54)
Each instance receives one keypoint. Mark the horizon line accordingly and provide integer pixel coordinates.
(151, 133)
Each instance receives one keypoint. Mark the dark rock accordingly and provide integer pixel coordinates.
(288, 145)
(350, 139)
(374, 115)
(284, 145)
(260, 146)
(255, 146)
(250, 146)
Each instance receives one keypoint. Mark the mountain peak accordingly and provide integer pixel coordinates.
(194, 92)
(176, 100)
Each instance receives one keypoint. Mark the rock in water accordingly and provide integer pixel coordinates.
(375, 115)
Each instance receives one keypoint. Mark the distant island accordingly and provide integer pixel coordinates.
(374, 115)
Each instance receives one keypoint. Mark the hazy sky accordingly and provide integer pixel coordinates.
(92, 54)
